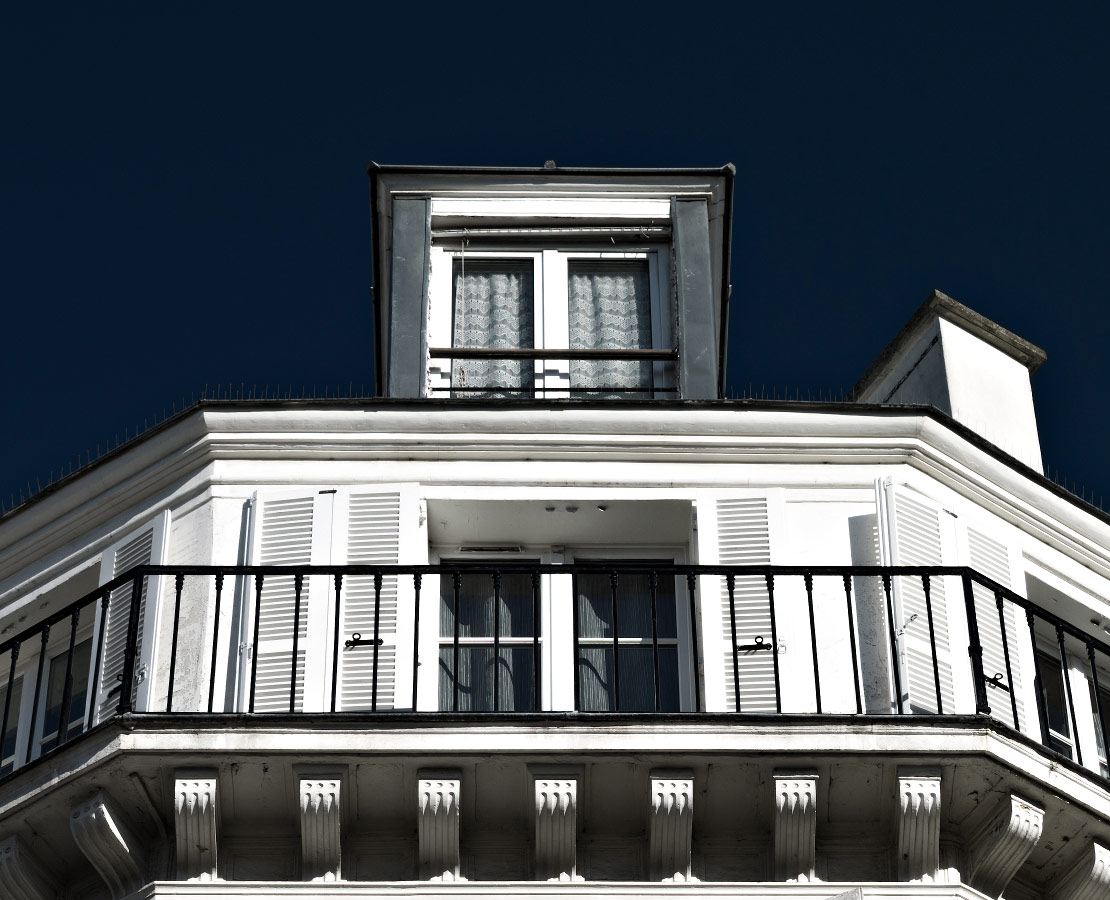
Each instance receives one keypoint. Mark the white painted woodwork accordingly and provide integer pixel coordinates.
(1089, 878)
(671, 828)
(22, 876)
(556, 837)
(438, 825)
(196, 822)
(795, 817)
(919, 825)
(1002, 843)
(321, 828)
(108, 844)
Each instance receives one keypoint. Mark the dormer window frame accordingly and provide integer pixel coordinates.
(551, 261)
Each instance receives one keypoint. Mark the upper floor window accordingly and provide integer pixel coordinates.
(551, 323)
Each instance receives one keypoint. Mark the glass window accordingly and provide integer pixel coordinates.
(55, 695)
(1055, 703)
(7, 749)
(491, 620)
(616, 618)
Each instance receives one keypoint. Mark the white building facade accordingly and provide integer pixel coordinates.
(550, 617)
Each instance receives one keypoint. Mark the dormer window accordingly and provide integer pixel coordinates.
(551, 323)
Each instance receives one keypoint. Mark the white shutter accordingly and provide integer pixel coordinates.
(370, 525)
(992, 559)
(744, 540)
(291, 529)
(916, 539)
(143, 547)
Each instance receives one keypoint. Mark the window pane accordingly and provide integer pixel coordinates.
(610, 309)
(595, 606)
(476, 678)
(1055, 702)
(476, 599)
(55, 693)
(637, 679)
(7, 749)
(494, 309)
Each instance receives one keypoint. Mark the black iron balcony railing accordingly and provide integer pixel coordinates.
(637, 380)
(644, 638)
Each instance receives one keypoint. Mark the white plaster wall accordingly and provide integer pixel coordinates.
(916, 375)
(991, 394)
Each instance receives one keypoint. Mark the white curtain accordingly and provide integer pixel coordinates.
(494, 309)
(610, 309)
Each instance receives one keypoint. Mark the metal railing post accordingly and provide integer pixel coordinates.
(132, 647)
(975, 649)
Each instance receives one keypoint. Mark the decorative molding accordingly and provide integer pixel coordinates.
(1089, 878)
(556, 848)
(321, 828)
(795, 825)
(195, 823)
(438, 828)
(108, 844)
(22, 877)
(672, 825)
(1002, 843)
(919, 825)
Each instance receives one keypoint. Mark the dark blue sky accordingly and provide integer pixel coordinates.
(184, 199)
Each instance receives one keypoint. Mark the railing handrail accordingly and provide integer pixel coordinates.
(554, 569)
(551, 353)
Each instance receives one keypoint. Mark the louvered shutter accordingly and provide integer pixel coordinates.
(915, 539)
(992, 559)
(143, 547)
(290, 529)
(370, 530)
(743, 536)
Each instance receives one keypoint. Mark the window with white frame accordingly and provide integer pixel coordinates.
(513, 310)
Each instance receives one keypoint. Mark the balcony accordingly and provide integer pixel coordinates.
(493, 642)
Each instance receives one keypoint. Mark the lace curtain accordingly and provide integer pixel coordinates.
(610, 309)
(494, 308)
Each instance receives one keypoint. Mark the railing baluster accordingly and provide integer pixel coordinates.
(94, 688)
(691, 583)
(298, 586)
(215, 639)
(457, 578)
(536, 661)
(774, 640)
(416, 580)
(8, 705)
(338, 624)
(975, 649)
(808, 578)
(497, 640)
(616, 644)
(1038, 685)
(179, 583)
(377, 637)
(730, 586)
(38, 690)
(1006, 657)
(1067, 687)
(653, 583)
(927, 589)
(254, 646)
(1100, 711)
(67, 683)
(131, 649)
(895, 663)
(852, 641)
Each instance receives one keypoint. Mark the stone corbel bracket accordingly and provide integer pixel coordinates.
(919, 824)
(321, 827)
(108, 844)
(438, 826)
(556, 807)
(1089, 878)
(672, 825)
(22, 877)
(795, 825)
(1002, 843)
(196, 822)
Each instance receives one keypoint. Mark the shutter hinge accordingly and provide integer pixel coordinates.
(329, 491)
